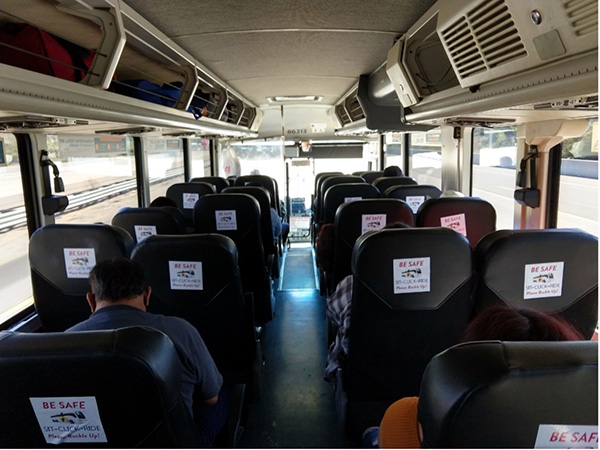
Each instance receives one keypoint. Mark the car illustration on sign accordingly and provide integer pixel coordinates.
(411, 273)
(72, 417)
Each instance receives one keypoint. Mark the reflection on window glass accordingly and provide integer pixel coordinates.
(200, 151)
(393, 150)
(15, 280)
(425, 158)
(494, 162)
(98, 173)
(165, 164)
(578, 197)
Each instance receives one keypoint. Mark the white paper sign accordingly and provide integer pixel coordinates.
(79, 261)
(411, 275)
(457, 223)
(189, 200)
(349, 199)
(143, 231)
(415, 202)
(567, 436)
(186, 275)
(371, 222)
(68, 419)
(543, 280)
(226, 220)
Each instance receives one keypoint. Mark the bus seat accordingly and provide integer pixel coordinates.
(325, 185)
(269, 242)
(415, 196)
(345, 192)
(127, 380)
(411, 299)
(185, 196)
(559, 265)
(196, 277)
(471, 216)
(239, 219)
(494, 394)
(351, 222)
(269, 183)
(61, 257)
(143, 222)
(319, 178)
(371, 175)
(219, 183)
(384, 183)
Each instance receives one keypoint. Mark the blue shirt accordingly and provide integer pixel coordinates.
(198, 371)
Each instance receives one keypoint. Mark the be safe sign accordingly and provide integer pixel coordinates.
(543, 280)
(68, 419)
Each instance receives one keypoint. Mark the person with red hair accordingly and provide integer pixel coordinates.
(400, 428)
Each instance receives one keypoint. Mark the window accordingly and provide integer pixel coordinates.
(15, 278)
(165, 164)
(98, 174)
(494, 162)
(425, 158)
(200, 157)
(578, 197)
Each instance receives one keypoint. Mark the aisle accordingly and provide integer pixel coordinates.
(297, 408)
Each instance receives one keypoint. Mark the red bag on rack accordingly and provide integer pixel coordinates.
(30, 48)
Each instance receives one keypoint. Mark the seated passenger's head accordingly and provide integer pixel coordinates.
(503, 323)
(117, 280)
(392, 171)
(163, 201)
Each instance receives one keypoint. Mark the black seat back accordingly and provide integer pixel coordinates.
(120, 386)
(326, 184)
(269, 183)
(410, 301)
(554, 271)
(61, 257)
(472, 216)
(511, 395)
(384, 183)
(237, 216)
(414, 196)
(345, 192)
(353, 219)
(143, 222)
(219, 183)
(185, 196)
(371, 175)
(196, 277)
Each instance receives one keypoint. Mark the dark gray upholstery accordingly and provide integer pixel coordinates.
(132, 373)
(393, 336)
(247, 236)
(142, 222)
(418, 195)
(216, 308)
(59, 292)
(384, 183)
(371, 175)
(348, 227)
(341, 193)
(501, 260)
(269, 183)
(497, 394)
(179, 192)
(480, 215)
(325, 185)
(219, 183)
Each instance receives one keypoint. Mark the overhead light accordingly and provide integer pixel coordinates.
(295, 98)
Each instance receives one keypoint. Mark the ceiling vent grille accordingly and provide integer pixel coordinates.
(582, 15)
(483, 39)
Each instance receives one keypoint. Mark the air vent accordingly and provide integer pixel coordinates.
(354, 109)
(582, 15)
(483, 39)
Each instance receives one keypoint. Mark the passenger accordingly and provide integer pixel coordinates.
(400, 428)
(163, 201)
(119, 297)
(392, 171)
(338, 312)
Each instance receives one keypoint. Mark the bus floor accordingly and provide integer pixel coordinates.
(296, 407)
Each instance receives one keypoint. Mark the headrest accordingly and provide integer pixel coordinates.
(143, 222)
(357, 217)
(412, 268)
(509, 394)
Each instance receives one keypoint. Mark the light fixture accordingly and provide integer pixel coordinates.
(294, 98)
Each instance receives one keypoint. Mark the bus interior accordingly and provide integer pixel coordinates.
(110, 104)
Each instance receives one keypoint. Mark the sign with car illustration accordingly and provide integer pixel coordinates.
(412, 275)
(414, 202)
(543, 280)
(456, 222)
(186, 275)
(372, 222)
(226, 220)
(143, 231)
(69, 419)
(79, 262)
